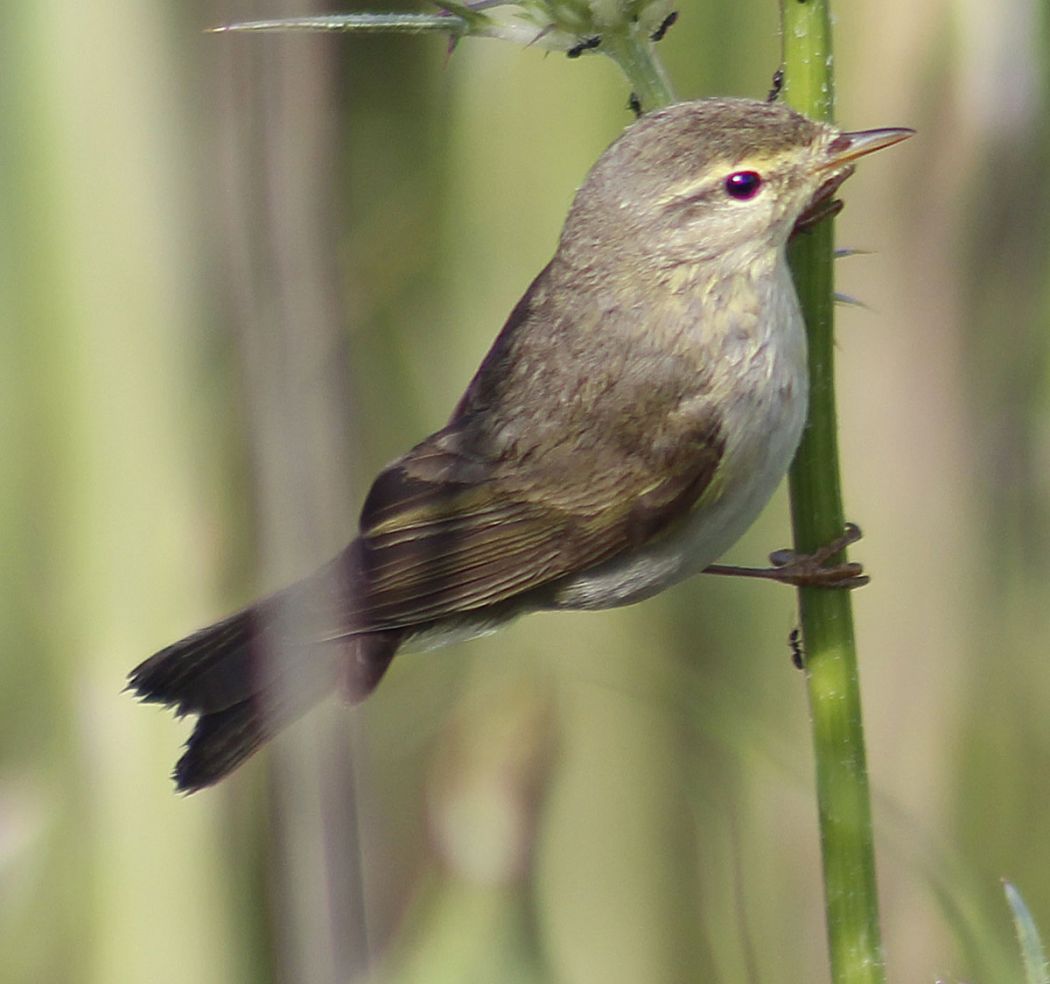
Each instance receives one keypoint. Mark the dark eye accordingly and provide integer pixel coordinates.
(743, 185)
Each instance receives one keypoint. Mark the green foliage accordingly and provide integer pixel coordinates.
(667, 812)
(1033, 956)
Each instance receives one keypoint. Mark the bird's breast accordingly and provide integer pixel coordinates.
(760, 394)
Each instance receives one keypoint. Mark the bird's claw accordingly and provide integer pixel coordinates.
(814, 570)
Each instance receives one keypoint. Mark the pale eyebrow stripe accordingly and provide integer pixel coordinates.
(692, 186)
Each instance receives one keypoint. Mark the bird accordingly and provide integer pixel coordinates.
(635, 413)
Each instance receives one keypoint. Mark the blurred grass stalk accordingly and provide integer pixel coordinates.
(275, 101)
(99, 316)
(847, 846)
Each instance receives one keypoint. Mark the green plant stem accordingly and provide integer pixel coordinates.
(854, 939)
(633, 52)
(817, 515)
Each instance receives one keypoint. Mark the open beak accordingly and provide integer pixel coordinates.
(842, 151)
(848, 147)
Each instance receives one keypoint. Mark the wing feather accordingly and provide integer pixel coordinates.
(576, 441)
(457, 548)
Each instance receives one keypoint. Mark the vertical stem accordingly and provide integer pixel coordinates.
(817, 515)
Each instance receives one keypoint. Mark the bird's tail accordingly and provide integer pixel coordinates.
(245, 682)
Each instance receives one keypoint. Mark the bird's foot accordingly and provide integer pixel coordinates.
(814, 570)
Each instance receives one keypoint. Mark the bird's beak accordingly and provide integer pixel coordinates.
(841, 153)
(847, 147)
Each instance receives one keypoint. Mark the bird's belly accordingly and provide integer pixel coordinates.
(763, 420)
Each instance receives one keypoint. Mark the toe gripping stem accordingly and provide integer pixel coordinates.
(815, 570)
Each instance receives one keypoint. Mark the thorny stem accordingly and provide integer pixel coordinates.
(843, 799)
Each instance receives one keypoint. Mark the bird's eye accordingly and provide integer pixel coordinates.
(743, 185)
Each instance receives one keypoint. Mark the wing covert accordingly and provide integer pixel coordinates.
(442, 535)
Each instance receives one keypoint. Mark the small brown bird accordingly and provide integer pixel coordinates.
(636, 412)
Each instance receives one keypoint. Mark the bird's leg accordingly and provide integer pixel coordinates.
(807, 570)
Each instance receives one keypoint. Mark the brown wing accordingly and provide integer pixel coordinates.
(444, 533)
(586, 432)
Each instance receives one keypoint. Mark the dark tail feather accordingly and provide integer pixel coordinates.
(246, 683)
(206, 671)
(220, 742)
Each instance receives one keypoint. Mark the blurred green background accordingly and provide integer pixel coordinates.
(239, 274)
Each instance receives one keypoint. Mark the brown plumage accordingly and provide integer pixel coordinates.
(635, 413)
(474, 525)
